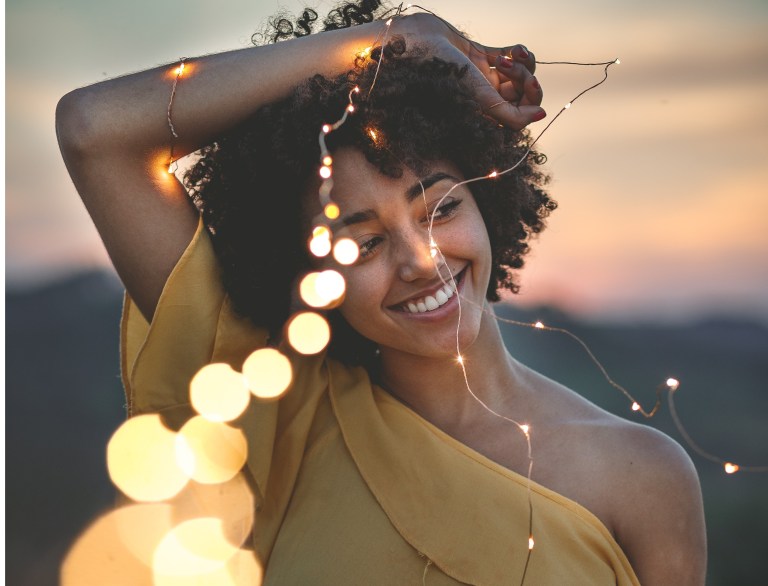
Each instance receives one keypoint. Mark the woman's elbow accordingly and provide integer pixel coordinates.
(75, 129)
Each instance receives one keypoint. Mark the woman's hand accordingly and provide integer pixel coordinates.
(504, 77)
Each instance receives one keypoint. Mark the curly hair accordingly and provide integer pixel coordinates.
(250, 183)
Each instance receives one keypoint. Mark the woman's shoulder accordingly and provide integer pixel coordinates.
(637, 480)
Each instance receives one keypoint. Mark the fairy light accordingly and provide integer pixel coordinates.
(635, 406)
(327, 160)
(346, 251)
(331, 211)
(525, 428)
(731, 468)
(493, 175)
(673, 384)
(538, 325)
(320, 242)
(531, 542)
(568, 105)
(325, 172)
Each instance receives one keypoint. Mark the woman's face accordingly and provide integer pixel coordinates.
(394, 294)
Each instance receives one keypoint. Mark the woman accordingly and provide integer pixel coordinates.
(359, 481)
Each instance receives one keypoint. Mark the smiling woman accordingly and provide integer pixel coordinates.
(399, 453)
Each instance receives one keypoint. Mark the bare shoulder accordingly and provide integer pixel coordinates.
(638, 481)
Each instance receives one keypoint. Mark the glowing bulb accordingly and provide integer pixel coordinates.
(635, 406)
(350, 108)
(179, 70)
(373, 135)
(268, 372)
(731, 468)
(170, 168)
(346, 251)
(142, 462)
(308, 333)
(492, 174)
(322, 289)
(320, 243)
(217, 451)
(673, 384)
(432, 247)
(524, 427)
(325, 172)
(538, 325)
(389, 22)
(326, 128)
(618, 61)
(356, 89)
(218, 393)
(327, 160)
(568, 105)
(530, 542)
(460, 359)
(331, 211)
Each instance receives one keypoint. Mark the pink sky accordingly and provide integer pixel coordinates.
(661, 173)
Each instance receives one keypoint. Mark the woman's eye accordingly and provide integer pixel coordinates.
(445, 210)
(368, 246)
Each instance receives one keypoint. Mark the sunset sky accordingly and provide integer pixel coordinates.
(661, 173)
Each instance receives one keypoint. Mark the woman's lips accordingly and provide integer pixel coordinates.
(430, 303)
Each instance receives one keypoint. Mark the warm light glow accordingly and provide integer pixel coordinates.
(673, 384)
(171, 168)
(731, 468)
(308, 333)
(194, 548)
(327, 160)
(525, 428)
(618, 61)
(117, 548)
(356, 89)
(320, 244)
(568, 105)
(180, 69)
(538, 325)
(372, 134)
(350, 108)
(346, 251)
(325, 172)
(635, 406)
(389, 22)
(141, 459)
(460, 359)
(219, 393)
(268, 373)
(326, 128)
(218, 450)
(331, 211)
(492, 174)
(322, 289)
(530, 542)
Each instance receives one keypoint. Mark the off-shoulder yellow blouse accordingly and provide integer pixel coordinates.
(352, 487)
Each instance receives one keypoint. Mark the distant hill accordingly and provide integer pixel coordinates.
(64, 399)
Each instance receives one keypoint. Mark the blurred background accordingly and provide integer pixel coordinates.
(657, 256)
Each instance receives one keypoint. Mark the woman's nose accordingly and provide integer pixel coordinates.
(414, 258)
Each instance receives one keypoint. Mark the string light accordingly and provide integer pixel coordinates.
(346, 251)
(331, 211)
(731, 468)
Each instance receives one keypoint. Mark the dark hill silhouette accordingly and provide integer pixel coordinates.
(64, 399)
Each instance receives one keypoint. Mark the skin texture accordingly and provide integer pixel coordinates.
(114, 140)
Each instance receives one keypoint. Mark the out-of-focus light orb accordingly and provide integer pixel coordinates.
(268, 372)
(219, 450)
(308, 332)
(327, 160)
(141, 459)
(219, 393)
(331, 211)
(242, 568)
(673, 384)
(320, 243)
(117, 548)
(346, 251)
(325, 172)
(635, 406)
(322, 289)
(731, 468)
(525, 428)
(538, 325)
(194, 548)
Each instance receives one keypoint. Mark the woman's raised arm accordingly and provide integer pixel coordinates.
(115, 137)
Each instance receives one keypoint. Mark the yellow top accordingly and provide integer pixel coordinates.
(352, 487)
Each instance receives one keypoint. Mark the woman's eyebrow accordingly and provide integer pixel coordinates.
(359, 217)
(427, 182)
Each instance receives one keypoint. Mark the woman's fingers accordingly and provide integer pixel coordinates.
(517, 53)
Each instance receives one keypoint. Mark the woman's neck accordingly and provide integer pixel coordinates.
(436, 388)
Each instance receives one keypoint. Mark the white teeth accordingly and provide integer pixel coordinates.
(431, 303)
(441, 297)
(412, 308)
(421, 307)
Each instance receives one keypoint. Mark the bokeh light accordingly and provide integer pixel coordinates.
(268, 372)
(219, 393)
(346, 251)
(142, 462)
(218, 450)
(322, 289)
(331, 211)
(194, 548)
(320, 243)
(308, 332)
